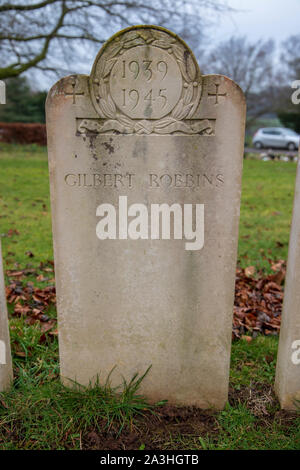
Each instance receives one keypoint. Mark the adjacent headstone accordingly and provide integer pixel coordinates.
(6, 374)
(145, 160)
(2, 92)
(287, 383)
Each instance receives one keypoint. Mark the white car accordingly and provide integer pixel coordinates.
(278, 137)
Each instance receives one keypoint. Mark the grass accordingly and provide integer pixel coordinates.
(39, 413)
(25, 218)
(266, 212)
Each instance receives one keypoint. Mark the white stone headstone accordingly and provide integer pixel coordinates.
(146, 133)
(287, 383)
(5, 355)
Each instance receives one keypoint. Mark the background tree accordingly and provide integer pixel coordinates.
(287, 111)
(52, 35)
(22, 103)
(250, 64)
(290, 57)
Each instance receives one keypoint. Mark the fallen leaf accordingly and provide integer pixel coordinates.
(249, 271)
(247, 338)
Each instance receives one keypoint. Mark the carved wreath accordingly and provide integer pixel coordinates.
(184, 109)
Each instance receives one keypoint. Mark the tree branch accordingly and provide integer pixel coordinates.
(36, 6)
(20, 68)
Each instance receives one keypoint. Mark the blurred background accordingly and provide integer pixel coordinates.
(256, 43)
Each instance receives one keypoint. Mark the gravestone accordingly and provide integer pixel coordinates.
(2, 92)
(5, 355)
(145, 161)
(287, 383)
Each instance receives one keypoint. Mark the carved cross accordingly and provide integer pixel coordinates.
(217, 94)
(73, 91)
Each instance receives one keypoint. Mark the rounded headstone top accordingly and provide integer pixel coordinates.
(145, 74)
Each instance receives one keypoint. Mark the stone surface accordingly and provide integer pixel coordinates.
(5, 355)
(2, 92)
(287, 383)
(146, 126)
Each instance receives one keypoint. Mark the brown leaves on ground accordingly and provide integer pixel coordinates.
(258, 302)
(11, 232)
(257, 306)
(33, 302)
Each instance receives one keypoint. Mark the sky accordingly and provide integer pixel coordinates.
(256, 19)
(261, 19)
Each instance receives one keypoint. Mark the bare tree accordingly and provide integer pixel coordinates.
(56, 34)
(290, 56)
(288, 111)
(251, 66)
(248, 64)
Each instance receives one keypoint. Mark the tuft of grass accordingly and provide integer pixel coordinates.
(49, 415)
(41, 413)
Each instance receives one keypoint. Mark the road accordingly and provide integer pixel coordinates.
(275, 152)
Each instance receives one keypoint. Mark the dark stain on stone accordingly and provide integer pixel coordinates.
(185, 58)
(140, 148)
(92, 138)
(148, 111)
(108, 146)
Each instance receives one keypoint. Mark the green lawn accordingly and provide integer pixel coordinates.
(25, 218)
(266, 212)
(38, 413)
